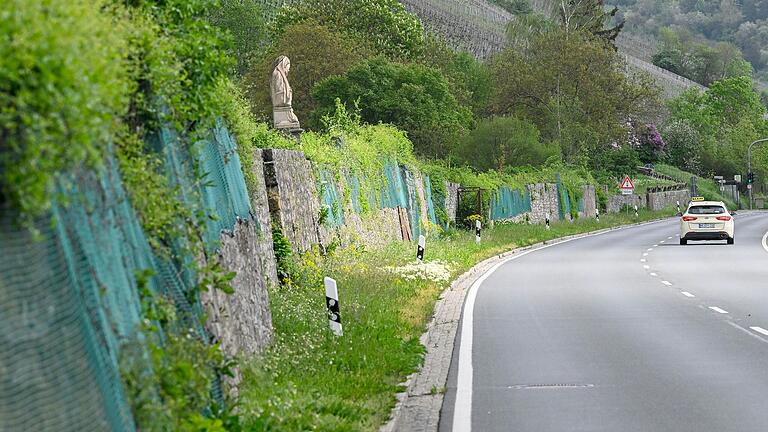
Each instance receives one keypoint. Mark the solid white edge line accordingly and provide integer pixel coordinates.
(765, 239)
(462, 411)
(760, 330)
(718, 310)
(687, 294)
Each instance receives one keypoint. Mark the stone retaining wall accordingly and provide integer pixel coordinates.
(662, 200)
(616, 203)
(544, 202)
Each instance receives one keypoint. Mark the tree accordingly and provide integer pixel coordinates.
(244, 20)
(588, 16)
(384, 25)
(502, 142)
(413, 97)
(316, 53)
(574, 88)
(684, 146)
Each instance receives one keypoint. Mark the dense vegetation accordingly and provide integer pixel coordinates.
(703, 40)
(82, 81)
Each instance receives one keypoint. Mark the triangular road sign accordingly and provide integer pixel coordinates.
(627, 183)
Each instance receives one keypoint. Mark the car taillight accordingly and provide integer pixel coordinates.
(724, 218)
(689, 218)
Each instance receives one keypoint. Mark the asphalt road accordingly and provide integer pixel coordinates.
(621, 332)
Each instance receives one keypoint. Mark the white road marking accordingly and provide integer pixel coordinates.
(718, 310)
(669, 238)
(646, 267)
(667, 283)
(655, 245)
(649, 249)
(663, 241)
(643, 260)
(645, 254)
(687, 294)
(760, 330)
(654, 274)
(462, 413)
(765, 239)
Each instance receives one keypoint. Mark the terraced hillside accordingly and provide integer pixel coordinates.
(479, 27)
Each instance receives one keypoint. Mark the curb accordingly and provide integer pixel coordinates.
(418, 408)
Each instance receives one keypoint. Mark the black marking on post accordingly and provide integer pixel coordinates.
(334, 313)
(420, 253)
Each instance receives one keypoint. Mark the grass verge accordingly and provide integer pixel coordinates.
(311, 380)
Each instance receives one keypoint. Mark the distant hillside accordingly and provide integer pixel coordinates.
(479, 27)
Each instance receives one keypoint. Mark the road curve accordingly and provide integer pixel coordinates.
(625, 331)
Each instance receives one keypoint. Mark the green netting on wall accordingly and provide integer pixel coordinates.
(330, 200)
(430, 201)
(396, 193)
(507, 203)
(69, 300)
(565, 202)
(355, 194)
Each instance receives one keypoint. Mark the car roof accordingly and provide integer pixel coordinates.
(707, 203)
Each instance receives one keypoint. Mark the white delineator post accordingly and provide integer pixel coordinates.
(678, 206)
(422, 246)
(547, 220)
(478, 230)
(332, 303)
(637, 215)
(597, 214)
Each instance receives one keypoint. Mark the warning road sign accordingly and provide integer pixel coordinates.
(627, 187)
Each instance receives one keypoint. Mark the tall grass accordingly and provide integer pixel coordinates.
(312, 380)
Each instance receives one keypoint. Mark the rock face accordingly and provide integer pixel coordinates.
(588, 205)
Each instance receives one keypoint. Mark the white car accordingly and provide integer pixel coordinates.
(706, 220)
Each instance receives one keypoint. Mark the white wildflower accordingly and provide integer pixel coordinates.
(438, 271)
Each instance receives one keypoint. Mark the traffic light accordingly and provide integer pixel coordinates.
(750, 178)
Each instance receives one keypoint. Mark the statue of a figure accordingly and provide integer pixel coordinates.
(282, 96)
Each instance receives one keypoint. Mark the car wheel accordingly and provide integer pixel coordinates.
(730, 240)
(683, 242)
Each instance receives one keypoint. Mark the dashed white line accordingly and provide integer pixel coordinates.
(649, 249)
(643, 260)
(646, 267)
(663, 241)
(669, 238)
(645, 254)
(718, 310)
(654, 274)
(760, 330)
(687, 294)
(667, 283)
(655, 245)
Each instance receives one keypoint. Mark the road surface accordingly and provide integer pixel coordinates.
(620, 332)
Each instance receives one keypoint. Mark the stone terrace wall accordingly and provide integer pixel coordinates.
(589, 202)
(451, 200)
(544, 201)
(294, 203)
(662, 200)
(617, 202)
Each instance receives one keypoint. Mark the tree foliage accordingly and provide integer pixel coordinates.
(573, 87)
(413, 97)
(502, 142)
(384, 25)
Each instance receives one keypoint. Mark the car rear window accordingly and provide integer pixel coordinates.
(706, 209)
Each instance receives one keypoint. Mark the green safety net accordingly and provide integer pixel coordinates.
(430, 201)
(565, 201)
(507, 203)
(68, 297)
(330, 200)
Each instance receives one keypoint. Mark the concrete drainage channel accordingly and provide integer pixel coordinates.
(418, 408)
